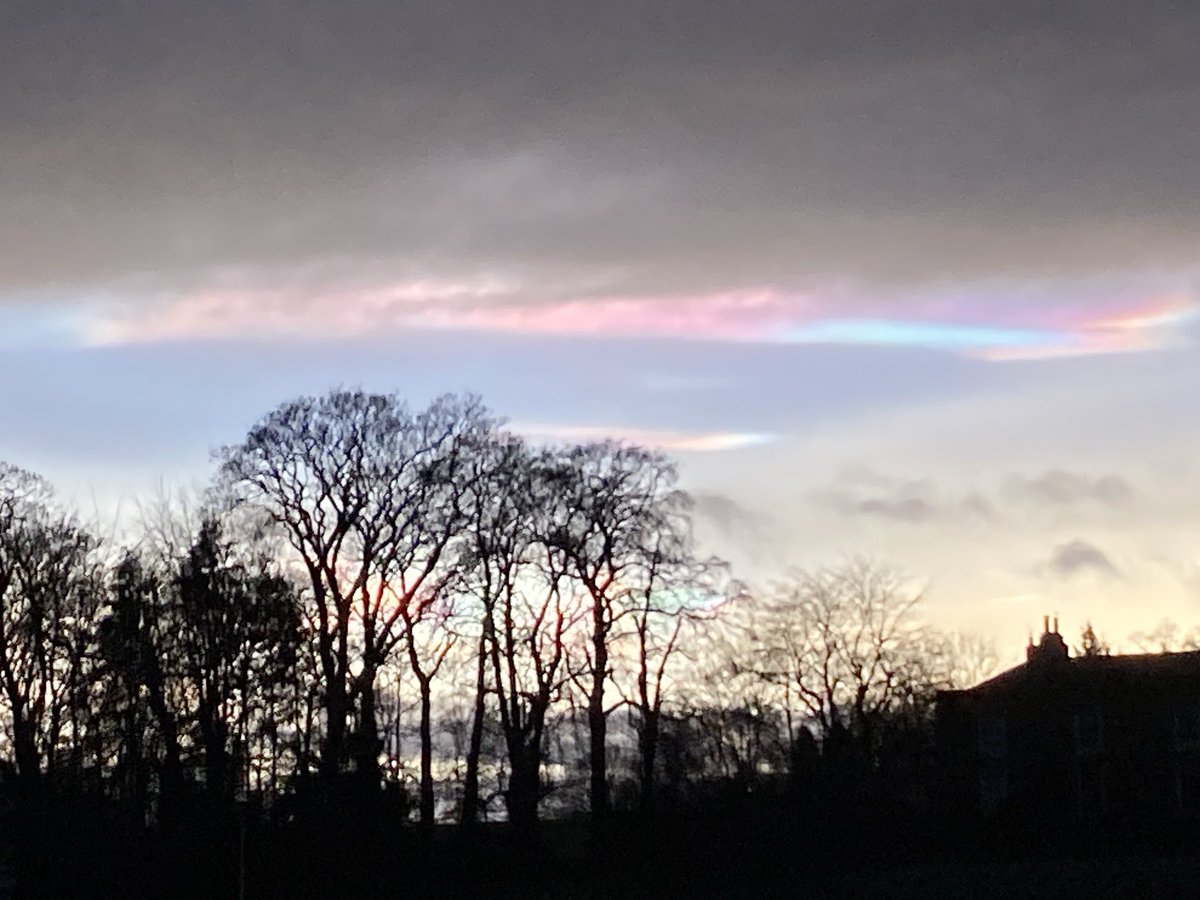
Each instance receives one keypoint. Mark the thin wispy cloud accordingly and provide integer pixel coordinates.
(696, 442)
(966, 324)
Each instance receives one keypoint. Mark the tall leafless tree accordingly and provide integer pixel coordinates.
(843, 645)
(521, 575)
(368, 495)
(236, 630)
(676, 591)
(47, 600)
(619, 501)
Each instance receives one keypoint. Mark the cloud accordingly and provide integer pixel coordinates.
(864, 476)
(976, 507)
(734, 521)
(1058, 488)
(761, 315)
(269, 315)
(862, 492)
(694, 442)
(905, 509)
(1079, 557)
(682, 149)
(670, 383)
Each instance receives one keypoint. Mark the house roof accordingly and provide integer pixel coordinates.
(1083, 671)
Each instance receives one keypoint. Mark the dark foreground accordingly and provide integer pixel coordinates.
(763, 852)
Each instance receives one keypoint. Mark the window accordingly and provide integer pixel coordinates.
(1187, 726)
(1089, 731)
(993, 789)
(992, 743)
(1090, 792)
(993, 737)
(1187, 786)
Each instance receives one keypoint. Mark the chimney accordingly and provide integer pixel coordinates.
(1050, 648)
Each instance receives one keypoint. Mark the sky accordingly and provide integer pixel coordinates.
(911, 279)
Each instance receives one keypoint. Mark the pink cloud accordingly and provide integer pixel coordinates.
(990, 324)
(272, 314)
(666, 440)
(753, 314)
(1137, 325)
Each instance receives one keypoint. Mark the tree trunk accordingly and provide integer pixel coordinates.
(470, 807)
(648, 747)
(306, 734)
(333, 746)
(216, 759)
(367, 740)
(25, 748)
(427, 805)
(171, 787)
(136, 778)
(332, 651)
(598, 730)
(524, 788)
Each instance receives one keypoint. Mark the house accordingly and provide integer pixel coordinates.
(1064, 740)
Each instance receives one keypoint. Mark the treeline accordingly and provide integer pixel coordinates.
(375, 605)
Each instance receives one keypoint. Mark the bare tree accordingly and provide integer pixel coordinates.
(314, 467)
(428, 503)
(843, 644)
(620, 500)
(47, 601)
(676, 590)
(1166, 637)
(368, 495)
(428, 641)
(968, 658)
(732, 725)
(133, 635)
(236, 634)
(520, 577)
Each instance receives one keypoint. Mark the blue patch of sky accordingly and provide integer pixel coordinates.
(933, 335)
(26, 325)
(156, 400)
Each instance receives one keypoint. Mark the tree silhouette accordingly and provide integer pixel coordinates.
(520, 575)
(369, 497)
(47, 599)
(844, 647)
(619, 502)
(236, 637)
(1090, 644)
(248, 667)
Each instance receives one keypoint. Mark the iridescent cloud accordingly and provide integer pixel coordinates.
(275, 314)
(698, 442)
(1149, 324)
(1054, 320)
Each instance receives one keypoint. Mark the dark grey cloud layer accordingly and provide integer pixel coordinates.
(672, 145)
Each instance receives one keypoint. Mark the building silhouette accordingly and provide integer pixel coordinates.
(1064, 742)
